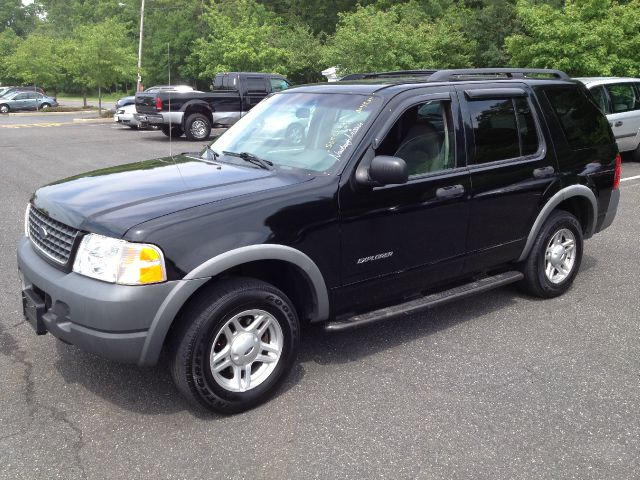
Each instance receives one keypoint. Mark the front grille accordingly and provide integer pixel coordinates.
(50, 237)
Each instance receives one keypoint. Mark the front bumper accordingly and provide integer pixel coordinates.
(109, 320)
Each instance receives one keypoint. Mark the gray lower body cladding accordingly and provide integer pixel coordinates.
(118, 322)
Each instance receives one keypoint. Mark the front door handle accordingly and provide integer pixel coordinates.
(543, 172)
(618, 123)
(453, 191)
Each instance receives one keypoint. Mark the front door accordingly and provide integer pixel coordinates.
(400, 239)
(510, 167)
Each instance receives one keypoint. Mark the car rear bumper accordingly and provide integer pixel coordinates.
(612, 209)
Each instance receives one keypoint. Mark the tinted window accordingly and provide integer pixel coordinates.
(217, 81)
(278, 84)
(495, 130)
(623, 97)
(255, 84)
(582, 123)
(600, 97)
(526, 127)
(423, 137)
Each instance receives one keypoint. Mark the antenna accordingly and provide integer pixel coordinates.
(169, 91)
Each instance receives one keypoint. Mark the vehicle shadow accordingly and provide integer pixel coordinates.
(150, 391)
(353, 345)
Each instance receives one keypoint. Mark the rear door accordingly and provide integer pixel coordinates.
(625, 114)
(510, 166)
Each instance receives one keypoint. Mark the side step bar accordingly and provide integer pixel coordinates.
(426, 302)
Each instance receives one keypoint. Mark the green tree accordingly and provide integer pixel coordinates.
(400, 37)
(22, 19)
(102, 55)
(245, 36)
(585, 37)
(40, 59)
(9, 43)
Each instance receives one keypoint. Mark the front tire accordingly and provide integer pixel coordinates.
(44, 106)
(555, 258)
(198, 127)
(234, 345)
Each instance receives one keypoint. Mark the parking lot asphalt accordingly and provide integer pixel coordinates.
(499, 386)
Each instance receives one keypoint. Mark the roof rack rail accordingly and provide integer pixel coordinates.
(395, 73)
(446, 75)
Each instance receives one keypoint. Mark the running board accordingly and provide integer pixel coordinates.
(429, 301)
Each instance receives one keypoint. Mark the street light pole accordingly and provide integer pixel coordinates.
(140, 46)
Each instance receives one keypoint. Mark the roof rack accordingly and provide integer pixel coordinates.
(453, 74)
(447, 75)
(395, 73)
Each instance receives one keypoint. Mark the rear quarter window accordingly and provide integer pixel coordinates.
(583, 124)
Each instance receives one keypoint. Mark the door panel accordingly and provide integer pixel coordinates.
(399, 239)
(510, 169)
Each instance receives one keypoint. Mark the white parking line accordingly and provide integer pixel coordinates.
(629, 178)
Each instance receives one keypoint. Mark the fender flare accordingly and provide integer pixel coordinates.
(552, 203)
(200, 275)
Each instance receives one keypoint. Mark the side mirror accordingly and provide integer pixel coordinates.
(386, 170)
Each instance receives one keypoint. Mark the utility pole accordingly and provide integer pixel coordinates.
(140, 46)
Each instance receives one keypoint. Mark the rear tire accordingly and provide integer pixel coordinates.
(4, 108)
(636, 154)
(234, 345)
(198, 127)
(555, 258)
(174, 132)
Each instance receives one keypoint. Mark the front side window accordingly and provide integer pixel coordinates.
(502, 129)
(624, 97)
(309, 131)
(278, 84)
(423, 138)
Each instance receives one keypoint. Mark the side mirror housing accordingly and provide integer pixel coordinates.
(385, 170)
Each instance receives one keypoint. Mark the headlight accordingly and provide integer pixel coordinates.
(26, 220)
(118, 261)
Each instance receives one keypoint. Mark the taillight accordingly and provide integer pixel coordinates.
(616, 175)
(158, 103)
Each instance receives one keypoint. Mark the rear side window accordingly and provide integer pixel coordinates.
(503, 129)
(255, 84)
(582, 123)
(624, 97)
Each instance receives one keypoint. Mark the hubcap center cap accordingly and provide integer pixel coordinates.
(558, 254)
(244, 348)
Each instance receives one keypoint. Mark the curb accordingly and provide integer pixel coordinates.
(29, 114)
(93, 120)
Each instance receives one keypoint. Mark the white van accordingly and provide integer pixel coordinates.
(619, 99)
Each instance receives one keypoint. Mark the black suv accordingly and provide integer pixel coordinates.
(402, 191)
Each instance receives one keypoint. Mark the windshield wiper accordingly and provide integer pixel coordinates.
(251, 158)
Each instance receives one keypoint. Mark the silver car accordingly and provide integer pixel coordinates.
(26, 101)
(619, 99)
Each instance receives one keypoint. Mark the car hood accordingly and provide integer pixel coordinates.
(113, 200)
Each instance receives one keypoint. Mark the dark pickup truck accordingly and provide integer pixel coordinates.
(195, 113)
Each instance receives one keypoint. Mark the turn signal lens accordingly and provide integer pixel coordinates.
(616, 176)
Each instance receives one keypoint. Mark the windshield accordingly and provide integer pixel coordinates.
(310, 131)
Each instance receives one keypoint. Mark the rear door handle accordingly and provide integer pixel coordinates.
(453, 191)
(543, 172)
(618, 123)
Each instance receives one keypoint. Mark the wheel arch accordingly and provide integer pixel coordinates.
(286, 268)
(196, 106)
(576, 199)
